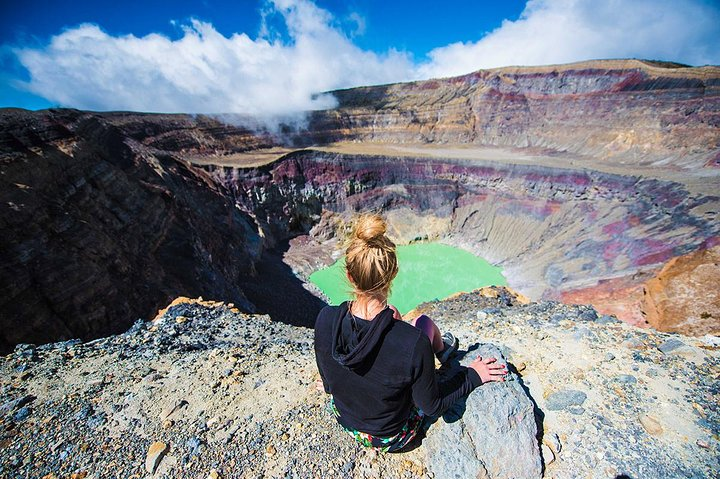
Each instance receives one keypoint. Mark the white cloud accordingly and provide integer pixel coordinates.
(360, 24)
(563, 31)
(206, 72)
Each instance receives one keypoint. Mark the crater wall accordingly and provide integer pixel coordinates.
(98, 230)
(620, 112)
(552, 230)
(608, 170)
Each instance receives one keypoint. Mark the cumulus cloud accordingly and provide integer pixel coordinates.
(277, 73)
(206, 72)
(564, 31)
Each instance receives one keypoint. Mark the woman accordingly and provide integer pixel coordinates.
(380, 370)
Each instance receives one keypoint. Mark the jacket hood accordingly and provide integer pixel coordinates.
(351, 346)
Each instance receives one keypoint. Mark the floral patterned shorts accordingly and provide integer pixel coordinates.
(386, 444)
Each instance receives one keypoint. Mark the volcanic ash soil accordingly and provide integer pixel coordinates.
(207, 391)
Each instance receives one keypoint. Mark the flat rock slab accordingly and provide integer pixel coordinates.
(565, 399)
(154, 455)
(490, 434)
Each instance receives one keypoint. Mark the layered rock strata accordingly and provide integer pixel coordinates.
(234, 393)
(622, 112)
(98, 230)
(554, 231)
(99, 206)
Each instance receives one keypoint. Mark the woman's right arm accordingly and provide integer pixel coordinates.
(426, 391)
(488, 370)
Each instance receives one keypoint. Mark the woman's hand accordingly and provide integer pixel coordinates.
(488, 370)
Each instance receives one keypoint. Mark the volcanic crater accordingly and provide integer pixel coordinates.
(580, 180)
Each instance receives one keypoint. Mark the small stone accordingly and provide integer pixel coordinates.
(703, 444)
(520, 367)
(583, 333)
(481, 315)
(565, 398)
(213, 474)
(167, 424)
(651, 425)
(589, 315)
(607, 319)
(634, 343)
(15, 404)
(577, 410)
(180, 319)
(553, 442)
(700, 410)
(171, 408)
(609, 356)
(547, 455)
(670, 345)
(626, 379)
(154, 455)
(194, 443)
(21, 414)
(270, 450)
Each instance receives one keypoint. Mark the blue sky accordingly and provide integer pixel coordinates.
(274, 56)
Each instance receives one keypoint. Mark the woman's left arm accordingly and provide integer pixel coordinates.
(396, 313)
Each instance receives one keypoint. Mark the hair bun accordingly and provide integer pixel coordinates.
(369, 227)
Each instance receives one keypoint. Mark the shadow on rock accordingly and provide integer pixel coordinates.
(276, 291)
(492, 432)
(537, 412)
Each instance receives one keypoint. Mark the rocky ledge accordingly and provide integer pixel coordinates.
(207, 391)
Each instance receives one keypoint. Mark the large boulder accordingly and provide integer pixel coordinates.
(685, 297)
(491, 434)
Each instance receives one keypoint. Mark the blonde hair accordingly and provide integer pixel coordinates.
(370, 257)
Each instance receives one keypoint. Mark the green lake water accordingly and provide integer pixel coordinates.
(427, 271)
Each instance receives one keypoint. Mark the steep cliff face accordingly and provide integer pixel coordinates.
(621, 112)
(98, 230)
(192, 135)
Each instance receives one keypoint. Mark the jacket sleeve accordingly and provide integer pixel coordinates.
(431, 397)
(319, 354)
(322, 377)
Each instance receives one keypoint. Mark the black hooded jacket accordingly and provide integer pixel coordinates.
(377, 369)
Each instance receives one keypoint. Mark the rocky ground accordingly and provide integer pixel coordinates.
(207, 391)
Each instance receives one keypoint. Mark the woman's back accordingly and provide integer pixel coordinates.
(381, 371)
(372, 390)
